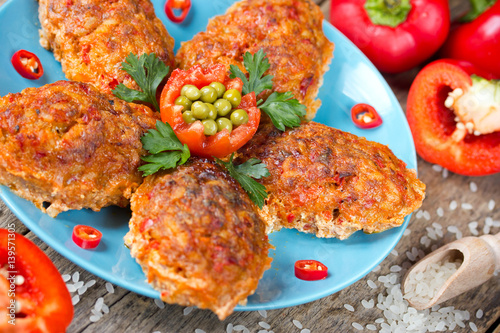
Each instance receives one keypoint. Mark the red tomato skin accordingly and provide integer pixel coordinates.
(432, 124)
(477, 41)
(394, 50)
(53, 307)
(223, 143)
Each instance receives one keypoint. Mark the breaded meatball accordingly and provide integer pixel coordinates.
(332, 183)
(198, 238)
(70, 146)
(92, 38)
(290, 33)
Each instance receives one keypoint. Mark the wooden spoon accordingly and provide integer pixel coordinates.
(479, 256)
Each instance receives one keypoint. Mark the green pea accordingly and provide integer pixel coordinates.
(213, 111)
(224, 123)
(200, 110)
(223, 107)
(184, 101)
(191, 92)
(210, 127)
(188, 117)
(208, 94)
(233, 96)
(219, 87)
(239, 117)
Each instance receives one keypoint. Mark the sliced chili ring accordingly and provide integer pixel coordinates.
(27, 65)
(310, 270)
(183, 5)
(86, 237)
(365, 116)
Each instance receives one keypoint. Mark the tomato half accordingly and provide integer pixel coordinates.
(223, 143)
(43, 301)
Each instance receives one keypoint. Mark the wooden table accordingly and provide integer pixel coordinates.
(130, 312)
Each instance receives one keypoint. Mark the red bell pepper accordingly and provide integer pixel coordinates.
(27, 65)
(310, 270)
(183, 5)
(365, 116)
(395, 35)
(223, 143)
(477, 41)
(42, 301)
(455, 118)
(86, 237)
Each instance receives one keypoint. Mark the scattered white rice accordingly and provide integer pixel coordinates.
(90, 283)
(229, 327)
(437, 226)
(159, 303)
(76, 277)
(263, 313)
(368, 304)
(466, 206)
(187, 310)
(394, 252)
(453, 229)
(109, 287)
(491, 204)
(473, 326)
(395, 268)
(440, 212)
(445, 173)
(79, 284)
(99, 303)
(198, 330)
(427, 215)
(473, 228)
(265, 325)
(94, 318)
(419, 214)
(71, 287)
(357, 326)
(297, 324)
(437, 168)
(453, 205)
(473, 187)
(371, 284)
(75, 299)
(305, 330)
(105, 309)
(479, 314)
(66, 277)
(349, 307)
(371, 327)
(376, 269)
(82, 290)
(407, 232)
(241, 328)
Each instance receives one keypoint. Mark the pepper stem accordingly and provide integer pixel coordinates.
(388, 12)
(477, 8)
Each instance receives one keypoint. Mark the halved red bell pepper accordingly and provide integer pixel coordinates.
(395, 35)
(365, 116)
(477, 41)
(43, 301)
(223, 143)
(183, 5)
(310, 270)
(455, 118)
(27, 65)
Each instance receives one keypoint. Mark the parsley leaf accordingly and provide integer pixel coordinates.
(283, 110)
(255, 65)
(244, 174)
(148, 71)
(166, 150)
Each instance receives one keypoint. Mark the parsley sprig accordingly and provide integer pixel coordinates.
(282, 108)
(166, 150)
(148, 71)
(245, 173)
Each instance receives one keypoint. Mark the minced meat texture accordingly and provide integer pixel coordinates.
(92, 38)
(69, 146)
(198, 237)
(331, 183)
(290, 33)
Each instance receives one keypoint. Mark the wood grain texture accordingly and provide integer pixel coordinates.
(130, 312)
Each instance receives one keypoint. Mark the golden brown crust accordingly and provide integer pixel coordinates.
(197, 237)
(332, 183)
(289, 31)
(71, 146)
(92, 38)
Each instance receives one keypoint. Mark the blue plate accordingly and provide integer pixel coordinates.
(351, 79)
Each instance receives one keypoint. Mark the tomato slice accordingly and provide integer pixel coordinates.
(365, 116)
(310, 270)
(43, 301)
(223, 143)
(86, 237)
(27, 65)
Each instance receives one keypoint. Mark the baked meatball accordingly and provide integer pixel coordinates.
(331, 183)
(70, 146)
(92, 38)
(198, 238)
(290, 33)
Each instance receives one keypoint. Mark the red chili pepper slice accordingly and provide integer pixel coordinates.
(310, 270)
(86, 237)
(27, 65)
(365, 116)
(183, 5)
